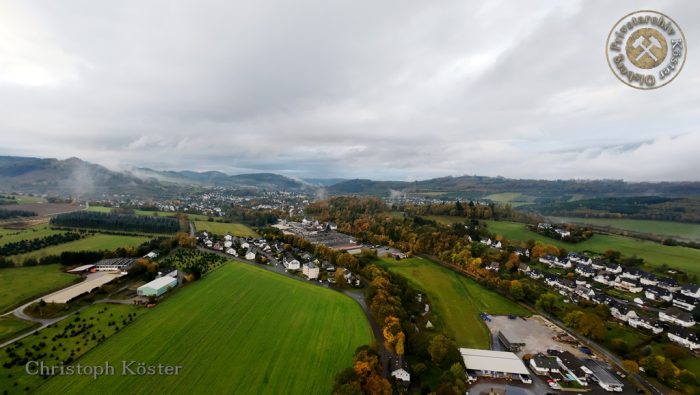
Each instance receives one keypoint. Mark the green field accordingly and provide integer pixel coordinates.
(70, 338)
(22, 199)
(221, 228)
(36, 232)
(654, 254)
(515, 199)
(456, 300)
(11, 327)
(96, 242)
(662, 228)
(23, 283)
(242, 330)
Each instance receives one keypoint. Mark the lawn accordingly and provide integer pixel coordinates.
(35, 232)
(654, 254)
(96, 242)
(23, 283)
(241, 330)
(456, 300)
(221, 228)
(11, 327)
(662, 228)
(64, 341)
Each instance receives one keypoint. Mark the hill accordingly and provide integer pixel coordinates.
(267, 181)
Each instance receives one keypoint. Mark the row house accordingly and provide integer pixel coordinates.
(684, 302)
(676, 316)
(646, 323)
(656, 293)
(622, 312)
(684, 337)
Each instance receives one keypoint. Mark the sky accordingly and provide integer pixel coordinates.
(400, 90)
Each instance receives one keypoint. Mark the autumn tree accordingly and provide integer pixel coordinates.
(439, 347)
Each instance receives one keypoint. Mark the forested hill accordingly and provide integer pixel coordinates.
(476, 187)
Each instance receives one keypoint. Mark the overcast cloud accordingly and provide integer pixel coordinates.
(373, 89)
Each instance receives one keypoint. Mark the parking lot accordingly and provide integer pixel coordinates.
(536, 332)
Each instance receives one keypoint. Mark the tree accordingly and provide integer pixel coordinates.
(439, 347)
(630, 366)
(547, 302)
(377, 385)
(516, 290)
(592, 326)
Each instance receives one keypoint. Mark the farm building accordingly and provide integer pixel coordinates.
(81, 269)
(494, 363)
(157, 287)
(114, 264)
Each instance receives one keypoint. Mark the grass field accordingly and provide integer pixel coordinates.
(456, 299)
(654, 254)
(23, 199)
(69, 338)
(96, 242)
(23, 283)
(242, 330)
(515, 199)
(221, 228)
(11, 327)
(662, 228)
(35, 232)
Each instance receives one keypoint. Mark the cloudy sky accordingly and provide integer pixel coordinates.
(373, 89)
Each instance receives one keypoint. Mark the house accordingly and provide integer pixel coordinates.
(402, 375)
(622, 312)
(646, 323)
(691, 290)
(583, 292)
(601, 375)
(311, 271)
(228, 244)
(291, 263)
(543, 365)
(585, 271)
(684, 302)
(250, 255)
(522, 252)
(684, 337)
(567, 285)
(551, 280)
(548, 260)
(536, 274)
(208, 243)
(668, 284)
(494, 266)
(601, 299)
(604, 278)
(598, 264)
(524, 268)
(579, 259)
(568, 362)
(553, 261)
(655, 293)
(627, 284)
(232, 251)
(676, 316)
(228, 237)
(631, 273)
(614, 268)
(562, 233)
(582, 282)
(648, 279)
(218, 246)
(151, 255)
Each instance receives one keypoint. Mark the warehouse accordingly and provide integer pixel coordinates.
(157, 287)
(494, 364)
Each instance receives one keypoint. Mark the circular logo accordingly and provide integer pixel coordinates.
(646, 49)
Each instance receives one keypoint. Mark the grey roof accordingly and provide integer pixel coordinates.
(603, 375)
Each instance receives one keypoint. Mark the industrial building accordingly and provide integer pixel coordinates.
(602, 376)
(158, 286)
(497, 364)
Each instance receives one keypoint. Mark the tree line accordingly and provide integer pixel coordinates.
(6, 214)
(23, 246)
(113, 221)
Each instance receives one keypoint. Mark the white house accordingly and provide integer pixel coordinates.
(677, 317)
(250, 255)
(643, 322)
(691, 290)
(585, 271)
(291, 263)
(233, 252)
(684, 337)
(544, 365)
(627, 284)
(622, 312)
(655, 293)
(310, 270)
(684, 302)
(402, 375)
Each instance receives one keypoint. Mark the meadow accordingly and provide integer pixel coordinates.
(677, 230)
(241, 330)
(35, 232)
(221, 228)
(23, 283)
(11, 327)
(456, 300)
(654, 254)
(515, 199)
(65, 341)
(97, 242)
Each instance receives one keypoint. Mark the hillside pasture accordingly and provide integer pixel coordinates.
(242, 330)
(34, 232)
(221, 228)
(654, 254)
(678, 230)
(21, 284)
(456, 300)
